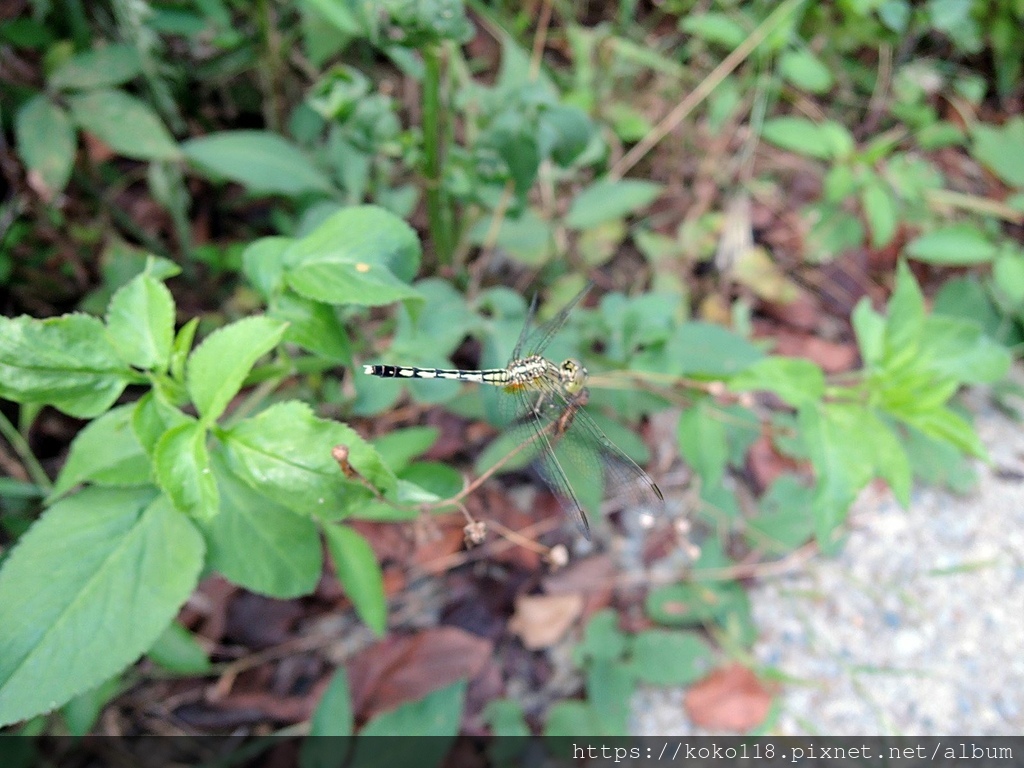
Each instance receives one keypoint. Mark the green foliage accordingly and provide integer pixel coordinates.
(198, 473)
(159, 481)
(613, 663)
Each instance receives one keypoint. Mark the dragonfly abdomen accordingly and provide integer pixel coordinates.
(497, 376)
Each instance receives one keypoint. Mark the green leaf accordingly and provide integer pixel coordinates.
(81, 713)
(153, 416)
(1001, 149)
(665, 657)
(262, 161)
(905, 323)
(106, 452)
(957, 244)
(218, 367)
(127, 125)
(437, 714)
(1008, 274)
(359, 574)
(713, 28)
(794, 380)
(140, 323)
(177, 650)
(607, 200)
(880, 211)
(46, 141)
(602, 639)
(397, 449)
(259, 544)
(312, 325)
(505, 717)
(839, 443)
(701, 435)
(805, 70)
(575, 719)
(786, 520)
(610, 686)
(869, 327)
(99, 68)
(943, 424)
(285, 454)
(182, 347)
(86, 591)
(181, 462)
(362, 255)
(66, 362)
(263, 264)
(801, 136)
(695, 604)
(709, 350)
(333, 715)
(953, 347)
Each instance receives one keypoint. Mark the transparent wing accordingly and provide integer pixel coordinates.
(534, 343)
(573, 453)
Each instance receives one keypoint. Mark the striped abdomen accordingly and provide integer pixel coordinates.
(496, 376)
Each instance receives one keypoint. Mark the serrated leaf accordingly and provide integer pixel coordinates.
(362, 255)
(140, 323)
(99, 68)
(152, 417)
(259, 544)
(606, 200)
(66, 362)
(957, 244)
(218, 367)
(106, 452)
(67, 623)
(260, 160)
(359, 574)
(285, 454)
(45, 142)
(181, 462)
(126, 124)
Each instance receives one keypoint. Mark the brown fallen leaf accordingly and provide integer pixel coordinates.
(542, 620)
(731, 698)
(404, 668)
(766, 463)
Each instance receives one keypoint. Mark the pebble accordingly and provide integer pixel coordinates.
(916, 627)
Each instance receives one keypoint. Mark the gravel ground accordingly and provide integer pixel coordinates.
(915, 628)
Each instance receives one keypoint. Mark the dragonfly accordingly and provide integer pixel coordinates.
(545, 403)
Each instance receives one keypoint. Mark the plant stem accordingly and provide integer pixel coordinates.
(29, 461)
(438, 212)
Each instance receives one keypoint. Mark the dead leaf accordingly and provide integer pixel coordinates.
(731, 698)
(765, 463)
(404, 668)
(542, 620)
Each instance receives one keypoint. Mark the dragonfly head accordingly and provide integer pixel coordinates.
(574, 376)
